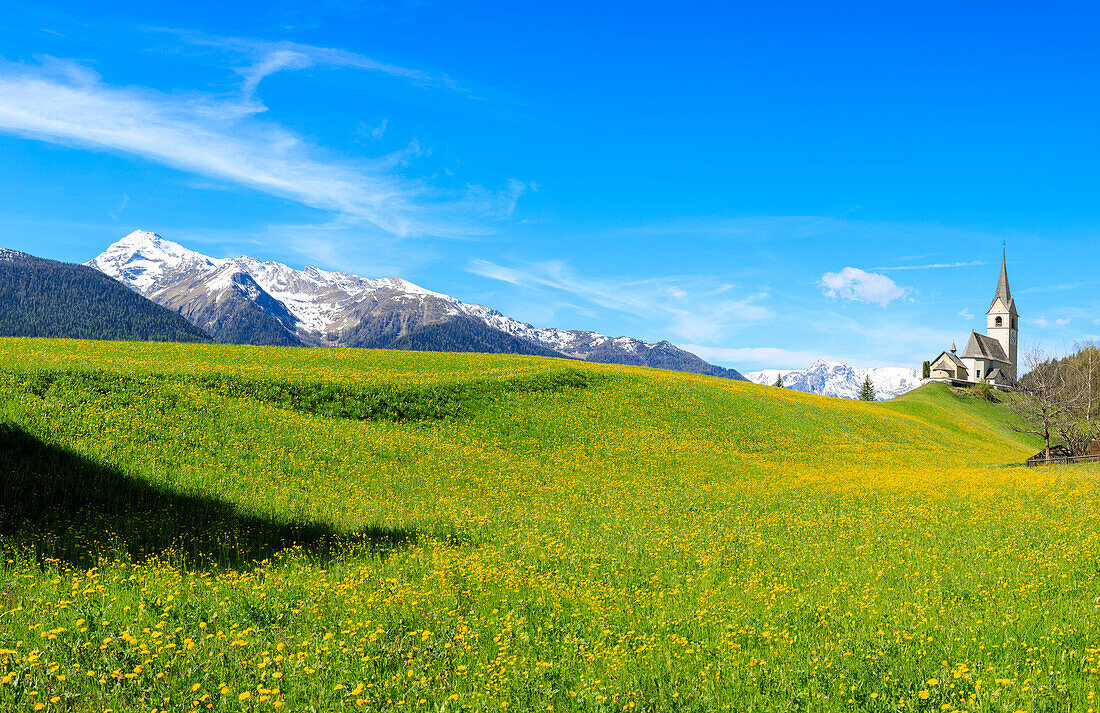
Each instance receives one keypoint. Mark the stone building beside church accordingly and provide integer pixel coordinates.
(987, 357)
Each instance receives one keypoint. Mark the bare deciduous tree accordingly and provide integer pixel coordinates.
(1045, 398)
(1087, 375)
(1078, 425)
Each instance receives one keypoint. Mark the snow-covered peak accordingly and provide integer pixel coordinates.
(323, 305)
(401, 285)
(152, 246)
(142, 259)
(151, 265)
(829, 365)
(836, 378)
(9, 255)
(142, 237)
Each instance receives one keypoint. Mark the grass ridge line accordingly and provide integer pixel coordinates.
(380, 402)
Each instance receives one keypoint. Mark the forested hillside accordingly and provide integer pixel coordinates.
(466, 335)
(44, 298)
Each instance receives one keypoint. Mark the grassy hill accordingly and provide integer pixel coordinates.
(185, 526)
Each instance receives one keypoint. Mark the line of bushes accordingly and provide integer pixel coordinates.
(381, 402)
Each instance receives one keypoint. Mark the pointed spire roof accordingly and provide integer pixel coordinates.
(1002, 284)
(1004, 294)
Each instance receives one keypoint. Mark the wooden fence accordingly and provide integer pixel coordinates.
(1059, 460)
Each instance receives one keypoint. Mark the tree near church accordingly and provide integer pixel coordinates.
(1046, 399)
(867, 391)
(1078, 424)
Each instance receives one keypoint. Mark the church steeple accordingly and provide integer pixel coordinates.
(1004, 294)
(1002, 284)
(1002, 321)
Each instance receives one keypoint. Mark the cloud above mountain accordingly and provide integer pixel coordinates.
(230, 138)
(696, 308)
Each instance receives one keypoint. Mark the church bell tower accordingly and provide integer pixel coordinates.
(1002, 322)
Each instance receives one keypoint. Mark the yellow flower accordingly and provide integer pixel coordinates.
(923, 695)
(932, 681)
(244, 696)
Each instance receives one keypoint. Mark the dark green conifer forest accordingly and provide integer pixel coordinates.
(44, 298)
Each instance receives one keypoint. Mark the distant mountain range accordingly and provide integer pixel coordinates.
(831, 378)
(247, 301)
(44, 298)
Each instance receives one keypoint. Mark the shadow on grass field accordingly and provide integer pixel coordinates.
(59, 505)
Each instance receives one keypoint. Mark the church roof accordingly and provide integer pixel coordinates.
(997, 375)
(1003, 293)
(951, 358)
(980, 346)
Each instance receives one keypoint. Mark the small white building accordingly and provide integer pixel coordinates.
(989, 357)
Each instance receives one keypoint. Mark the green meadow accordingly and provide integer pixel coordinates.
(193, 527)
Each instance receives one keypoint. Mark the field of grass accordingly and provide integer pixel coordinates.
(192, 527)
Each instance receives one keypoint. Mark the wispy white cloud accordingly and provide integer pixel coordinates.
(1056, 288)
(1062, 321)
(1042, 321)
(122, 205)
(690, 307)
(798, 228)
(855, 284)
(210, 135)
(266, 58)
(880, 336)
(965, 313)
(933, 266)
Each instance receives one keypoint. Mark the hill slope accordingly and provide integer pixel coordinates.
(44, 298)
(480, 530)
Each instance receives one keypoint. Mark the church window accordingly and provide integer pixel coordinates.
(998, 322)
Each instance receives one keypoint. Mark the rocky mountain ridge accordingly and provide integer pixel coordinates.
(245, 300)
(832, 378)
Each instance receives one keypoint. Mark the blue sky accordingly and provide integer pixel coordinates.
(763, 183)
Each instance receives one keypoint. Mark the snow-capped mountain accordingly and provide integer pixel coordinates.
(832, 378)
(245, 300)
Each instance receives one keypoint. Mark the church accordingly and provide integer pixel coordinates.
(989, 357)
